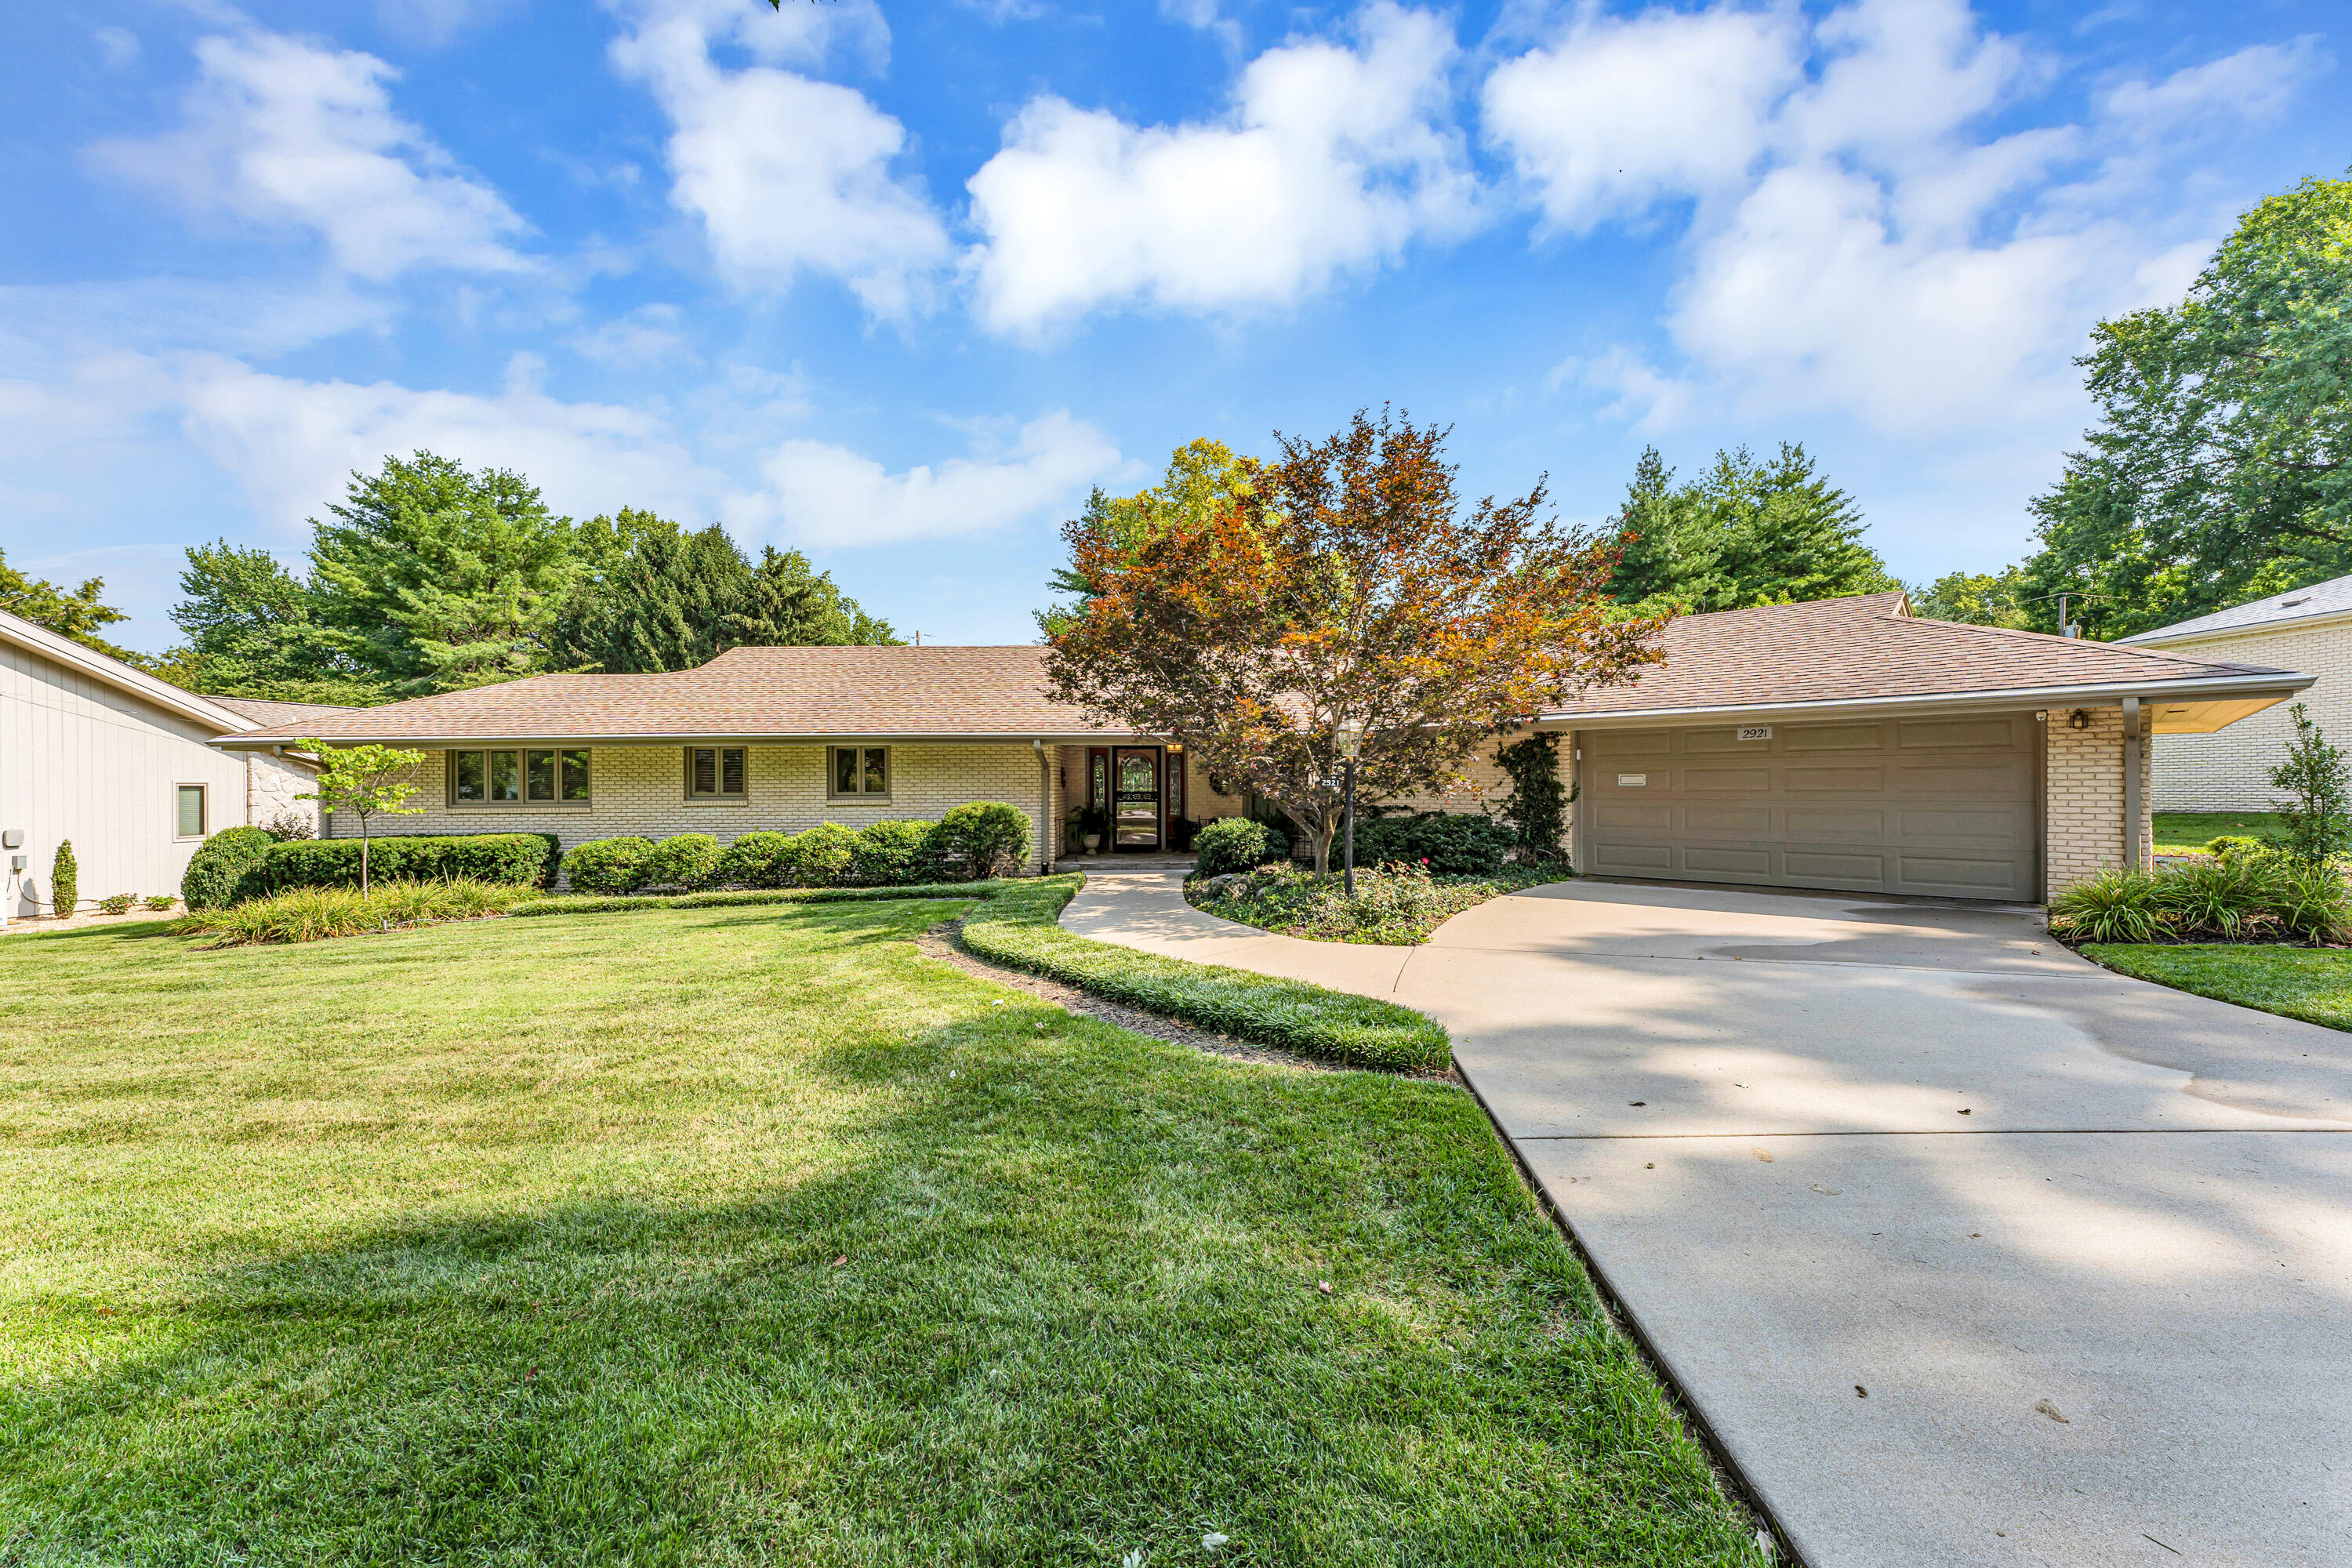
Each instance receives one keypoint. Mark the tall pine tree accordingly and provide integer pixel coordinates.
(1750, 531)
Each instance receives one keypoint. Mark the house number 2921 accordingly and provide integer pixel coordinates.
(1756, 733)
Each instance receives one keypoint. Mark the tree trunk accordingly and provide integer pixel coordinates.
(363, 855)
(1326, 826)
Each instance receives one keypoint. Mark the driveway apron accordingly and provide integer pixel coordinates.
(1968, 1250)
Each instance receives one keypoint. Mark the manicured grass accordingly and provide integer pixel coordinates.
(2188, 832)
(749, 1235)
(2311, 984)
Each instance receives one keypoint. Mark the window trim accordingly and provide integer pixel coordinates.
(862, 797)
(203, 811)
(522, 801)
(719, 777)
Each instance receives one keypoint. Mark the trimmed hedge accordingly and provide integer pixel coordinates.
(820, 857)
(982, 839)
(1017, 928)
(758, 859)
(1453, 843)
(896, 854)
(685, 861)
(217, 871)
(510, 859)
(609, 865)
(1015, 924)
(1237, 844)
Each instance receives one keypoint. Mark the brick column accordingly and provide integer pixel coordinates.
(2082, 798)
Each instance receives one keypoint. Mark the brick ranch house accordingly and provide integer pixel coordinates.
(2308, 629)
(1838, 744)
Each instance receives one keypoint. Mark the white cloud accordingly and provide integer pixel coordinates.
(1332, 158)
(1859, 244)
(282, 133)
(118, 47)
(786, 173)
(822, 494)
(645, 335)
(1618, 114)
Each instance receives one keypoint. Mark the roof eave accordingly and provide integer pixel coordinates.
(706, 737)
(59, 649)
(2167, 637)
(2177, 688)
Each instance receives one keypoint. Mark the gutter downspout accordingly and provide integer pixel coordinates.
(1045, 807)
(2131, 782)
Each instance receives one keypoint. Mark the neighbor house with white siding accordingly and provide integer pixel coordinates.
(119, 761)
(2309, 629)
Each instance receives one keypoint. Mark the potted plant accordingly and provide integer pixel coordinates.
(1090, 829)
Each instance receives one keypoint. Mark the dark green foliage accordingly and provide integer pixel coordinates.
(745, 898)
(433, 579)
(819, 857)
(757, 859)
(982, 839)
(77, 615)
(1452, 844)
(685, 862)
(1228, 844)
(1977, 598)
(2318, 828)
(1018, 928)
(1537, 807)
(252, 630)
(893, 854)
(65, 880)
(217, 872)
(609, 865)
(2216, 472)
(1751, 533)
(2265, 897)
(515, 859)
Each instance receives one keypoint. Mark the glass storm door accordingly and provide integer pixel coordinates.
(1135, 821)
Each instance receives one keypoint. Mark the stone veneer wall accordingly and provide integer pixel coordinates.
(2082, 798)
(641, 790)
(272, 785)
(2230, 770)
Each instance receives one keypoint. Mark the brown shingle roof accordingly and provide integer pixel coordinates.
(747, 693)
(1869, 648)
(269, 710)
(1831, 651)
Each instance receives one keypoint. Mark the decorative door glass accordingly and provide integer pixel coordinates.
(1136, 820)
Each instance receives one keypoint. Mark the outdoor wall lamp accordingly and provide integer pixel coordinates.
(2080, 718)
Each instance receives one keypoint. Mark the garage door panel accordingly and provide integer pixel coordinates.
(1836, 780)
(1975, 734)
(1727, 821)
(1712, 860)
(1842, 822)
(1835, 737)
(1752, 781)
(1944, 807)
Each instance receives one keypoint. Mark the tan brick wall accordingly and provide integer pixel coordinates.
(2082, 798)
(2230, 769)
(641, 790)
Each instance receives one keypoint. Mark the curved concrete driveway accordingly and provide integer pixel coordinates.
(1970, 1251)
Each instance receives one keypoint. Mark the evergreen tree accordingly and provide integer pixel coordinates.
(1751, 533)
(252, 630)
(435, 579)
(784, 603)
(77, 615)
(667, 604)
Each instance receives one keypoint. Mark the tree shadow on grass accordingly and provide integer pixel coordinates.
(1050, 1294)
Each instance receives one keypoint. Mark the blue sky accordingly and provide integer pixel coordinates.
(895, 284)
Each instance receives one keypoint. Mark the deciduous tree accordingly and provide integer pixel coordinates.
(1349, 583)
(77, 615)
(1204, 477)
(363, 781)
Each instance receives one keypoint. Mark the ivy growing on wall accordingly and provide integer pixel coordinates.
(1537, 807)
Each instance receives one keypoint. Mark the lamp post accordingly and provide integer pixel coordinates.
(1350, 737)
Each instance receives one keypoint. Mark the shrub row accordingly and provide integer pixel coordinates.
(2246, 897)
(594, 904)
(973, 842)
(311, 914)
(1453, 844)
(1017, 928)
(238, 864)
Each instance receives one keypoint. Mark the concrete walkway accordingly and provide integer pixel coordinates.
(1970, 1251)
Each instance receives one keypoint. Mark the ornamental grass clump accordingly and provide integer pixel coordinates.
(2242, 897)
(313, 914)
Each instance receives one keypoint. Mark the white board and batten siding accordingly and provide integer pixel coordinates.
(94, 752)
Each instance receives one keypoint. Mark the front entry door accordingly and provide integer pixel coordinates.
(1135, 799)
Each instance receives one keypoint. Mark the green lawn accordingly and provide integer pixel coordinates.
(737, 1234)
(2186, 832)
(2311, 984)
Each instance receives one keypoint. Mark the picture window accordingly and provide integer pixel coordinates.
(519, 777)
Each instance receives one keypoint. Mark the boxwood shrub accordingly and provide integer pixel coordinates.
(514, 860)
(819, 857)
(217, 872)
(982, 839)
(685, 861)
(1453, 843)
(758, 859)
(609, 865)
(894, 854)
(1237, 844)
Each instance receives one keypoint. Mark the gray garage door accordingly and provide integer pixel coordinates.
(1941, 806)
